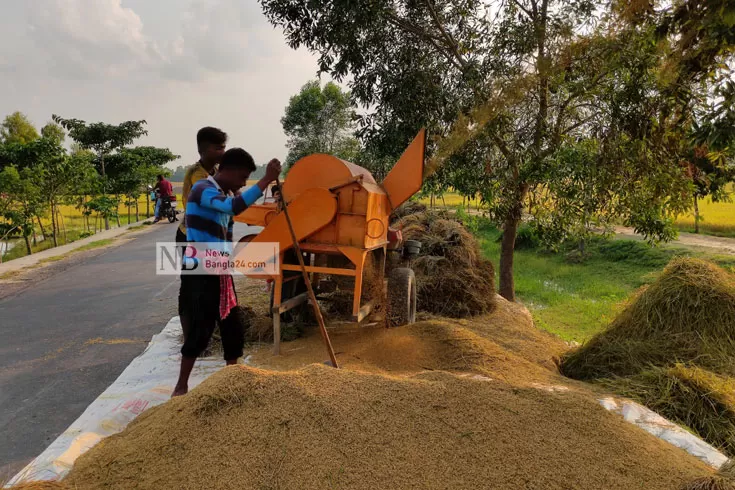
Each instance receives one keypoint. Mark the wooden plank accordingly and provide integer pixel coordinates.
(364, 311)
(321, 270)
(291, 303)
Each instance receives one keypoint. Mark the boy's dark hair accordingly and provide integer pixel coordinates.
(159, 177)
(275, 188)
(211, 136)
(237, 158)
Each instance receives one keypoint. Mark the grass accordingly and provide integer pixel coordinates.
(577, 300)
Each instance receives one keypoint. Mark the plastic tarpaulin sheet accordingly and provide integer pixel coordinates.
(147, 381)
(655, 424)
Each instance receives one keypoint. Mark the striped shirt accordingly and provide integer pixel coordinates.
(209, 211)
(193, 174)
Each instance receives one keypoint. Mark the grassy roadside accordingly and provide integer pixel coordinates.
(576, 300)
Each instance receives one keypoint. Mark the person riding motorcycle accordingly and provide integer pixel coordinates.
(164, 196)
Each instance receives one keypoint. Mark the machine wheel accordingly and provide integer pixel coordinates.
(171, 216)
(401, 296)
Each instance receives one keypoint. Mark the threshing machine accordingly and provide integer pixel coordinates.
(340, 216)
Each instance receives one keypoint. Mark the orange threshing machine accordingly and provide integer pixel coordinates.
(340, 217)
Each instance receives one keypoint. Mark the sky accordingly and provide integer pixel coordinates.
(178, 64)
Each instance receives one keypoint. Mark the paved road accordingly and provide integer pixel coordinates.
(51, 365)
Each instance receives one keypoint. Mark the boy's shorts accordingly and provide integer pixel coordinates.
(200, 303)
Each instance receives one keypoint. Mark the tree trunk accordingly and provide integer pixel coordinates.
(33, 230)
(28, 244)
(147, 204)
(40, 225)
(444, 203)
(117, 209)
(507, 247)
(53, 224)
(696, 214)
(63, 226)
(137, 213)
(128, 212)
(104, 189)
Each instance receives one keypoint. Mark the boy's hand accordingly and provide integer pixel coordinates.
(273, 170)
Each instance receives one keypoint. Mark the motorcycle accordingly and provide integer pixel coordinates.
(168, 206)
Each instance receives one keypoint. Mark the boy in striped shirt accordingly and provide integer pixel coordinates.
(208, 299)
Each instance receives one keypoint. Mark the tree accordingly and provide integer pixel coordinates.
(103, 139)
(508, 89)
(131, 169)
(53, 132)
(19, 204)
(16, 128)
(58, 176)
(178, 174)
(319, 120)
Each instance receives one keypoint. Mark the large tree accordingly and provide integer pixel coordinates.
(320, 120)
(508, 88)
(16, 128)
(103, 139)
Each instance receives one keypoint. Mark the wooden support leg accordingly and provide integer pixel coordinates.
(358, 290)
(277, 287)
(276, 334)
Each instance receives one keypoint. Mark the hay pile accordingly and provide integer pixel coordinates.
(723, 480)
(452, 277)
(673, 349)
(408, 207)
(325, 428)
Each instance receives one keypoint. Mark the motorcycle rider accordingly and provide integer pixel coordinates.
(165, 190)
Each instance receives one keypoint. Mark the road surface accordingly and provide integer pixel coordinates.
(68, 337)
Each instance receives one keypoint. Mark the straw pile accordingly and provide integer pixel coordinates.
(723, 480)
(408, 207)
(452, 277)
(688, 314)
(673, 349)
(320, 427)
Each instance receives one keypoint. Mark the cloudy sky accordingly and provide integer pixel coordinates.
(178, 64)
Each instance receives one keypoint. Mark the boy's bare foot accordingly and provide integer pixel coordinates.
(180, 390)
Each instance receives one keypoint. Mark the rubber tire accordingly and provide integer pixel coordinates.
(171, 216)
(401, 297)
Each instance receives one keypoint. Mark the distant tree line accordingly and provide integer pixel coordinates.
(100, 171)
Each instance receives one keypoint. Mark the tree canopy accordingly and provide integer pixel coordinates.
(319, 120)
(16, 128)
(564, 110)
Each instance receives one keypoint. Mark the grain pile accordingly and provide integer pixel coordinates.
(673, 349)
(504, 345)
(320, 427)
(452, 277)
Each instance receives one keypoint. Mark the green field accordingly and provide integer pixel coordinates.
(577, 300)
(716, 218)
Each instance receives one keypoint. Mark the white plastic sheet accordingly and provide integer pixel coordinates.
(148, 381)
(655, 424)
